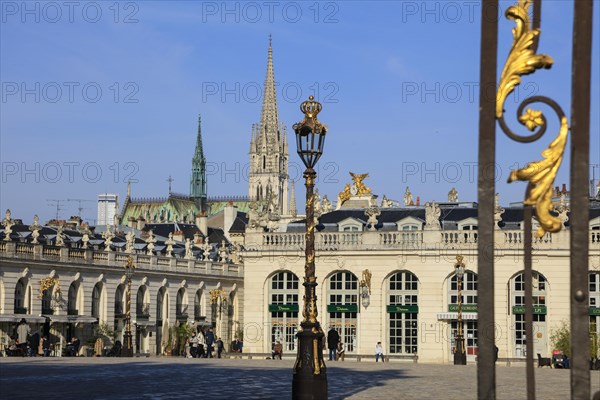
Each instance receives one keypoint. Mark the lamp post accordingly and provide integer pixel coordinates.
(460, 357)
(127, 350)
(310, 375)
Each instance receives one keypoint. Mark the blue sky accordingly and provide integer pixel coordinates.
(98, 93)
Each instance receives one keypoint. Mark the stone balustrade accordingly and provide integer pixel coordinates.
(324, 241)
(115, 259)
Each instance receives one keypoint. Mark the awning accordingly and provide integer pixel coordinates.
(17, 317)
(454, 315)
(71, 319)
(145, 323)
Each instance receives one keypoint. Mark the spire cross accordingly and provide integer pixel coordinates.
(170, 180)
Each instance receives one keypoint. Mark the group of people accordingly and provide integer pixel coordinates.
(23, 343)
(337, 349)
(203, 345)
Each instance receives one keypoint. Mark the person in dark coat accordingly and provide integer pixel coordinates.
(210, 340)
(220, 347)
(333, 338)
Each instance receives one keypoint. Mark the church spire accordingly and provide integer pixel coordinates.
(269, 119)
(198, 180)
(199, 153)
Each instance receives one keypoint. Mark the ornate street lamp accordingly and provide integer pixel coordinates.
(310, 375)
(460, 357)
(127, 350)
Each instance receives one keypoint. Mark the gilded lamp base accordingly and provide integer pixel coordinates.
(310, 377)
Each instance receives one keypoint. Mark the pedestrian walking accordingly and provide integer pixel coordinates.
(194, 345)
(333, 338)
(220, 347)
(341, 351)
(210, 341)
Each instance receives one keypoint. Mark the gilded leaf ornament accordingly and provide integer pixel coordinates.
(523, 60)
(540, 175)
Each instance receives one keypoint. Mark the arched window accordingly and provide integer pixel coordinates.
(181, 305)
(264, 162)
(96, 298)
(402, 311)
(517, 286)
(199, 306)
(142, 304)
(469, 312)
(119, 306)
(47, 308)
(342, 307)
(22, 302)
(72, 303)
(283, 309)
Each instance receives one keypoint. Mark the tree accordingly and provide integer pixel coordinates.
(561, 339)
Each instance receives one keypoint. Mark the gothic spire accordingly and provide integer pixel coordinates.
(269, 120)
(199, 153)
(198, 179)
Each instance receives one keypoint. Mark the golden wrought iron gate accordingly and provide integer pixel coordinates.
(523, 59)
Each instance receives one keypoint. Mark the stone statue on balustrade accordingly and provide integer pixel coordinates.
(129, 242)
(386, 203)
(408, 199)
(60, 237)
(223, 253)
(150, 240)
(108, 236)
(372, 212)
(235, 251)
(35, 229)
(170, 242)
(326, 206)
(432, 216)
(189, 255)
(498, 211)
(453, 195)
(85, 238)
(563, 208)
(7, 223)
(206, 249)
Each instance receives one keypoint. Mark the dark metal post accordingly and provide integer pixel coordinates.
(528, 279)
(127, 350)
(486, 369)
(580, 151)
(460, 356)
(310, 375)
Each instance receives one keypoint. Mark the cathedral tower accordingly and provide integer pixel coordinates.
(269, 149)
(198, 180)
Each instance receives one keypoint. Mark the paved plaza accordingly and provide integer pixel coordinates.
(176, 378)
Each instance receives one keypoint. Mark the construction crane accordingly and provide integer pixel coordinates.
(55, 203)
(79, 207)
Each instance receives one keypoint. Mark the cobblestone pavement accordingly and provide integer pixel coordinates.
(176, 378)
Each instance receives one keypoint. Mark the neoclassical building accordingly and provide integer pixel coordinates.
(66, 283)
(386, 273)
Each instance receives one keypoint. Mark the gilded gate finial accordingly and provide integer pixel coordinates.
(523, 60)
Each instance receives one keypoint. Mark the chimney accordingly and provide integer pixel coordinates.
(141, 222)
(131, 222)
(202, 223)
(418, 200)
(229, 215)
